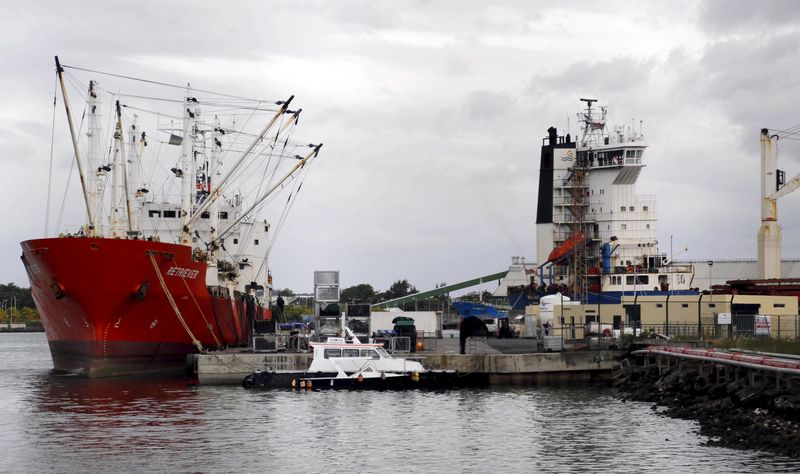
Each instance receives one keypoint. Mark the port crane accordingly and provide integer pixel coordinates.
(773, 187)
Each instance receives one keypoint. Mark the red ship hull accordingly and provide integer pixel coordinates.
(106, 312)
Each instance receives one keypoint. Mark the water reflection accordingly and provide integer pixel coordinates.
(65, 424)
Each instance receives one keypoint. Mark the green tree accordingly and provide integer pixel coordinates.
(476, 296)
(284, 292)
(23, 295)
(295, 313)
(362, 293)
(399, 289)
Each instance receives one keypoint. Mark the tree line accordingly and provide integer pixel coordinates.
(366, 293)
(25, 310)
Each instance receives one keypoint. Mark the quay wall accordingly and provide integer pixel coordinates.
(502, 369)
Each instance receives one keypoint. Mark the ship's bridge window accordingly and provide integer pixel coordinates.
(205, 215)
(223, 215)
(170, 214)
(640, 279)
(349, 352)
(631, 208)
(235, 241)
(622, 208)
(645, 208)
(154, 214)
(255, 242)
(624, 226)
(333, 353)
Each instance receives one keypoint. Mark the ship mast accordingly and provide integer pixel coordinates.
(89, 211)
(216, 146)
(123, 166)
(95, 150)
(187, 169)
(116, 173)
(133, 172)
(578, 190)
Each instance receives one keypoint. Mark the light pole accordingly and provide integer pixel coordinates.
(710, 284)
(710, 281)
(11, 315)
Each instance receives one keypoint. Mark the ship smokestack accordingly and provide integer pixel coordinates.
(553, 135)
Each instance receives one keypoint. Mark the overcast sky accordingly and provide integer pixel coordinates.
(432, 114)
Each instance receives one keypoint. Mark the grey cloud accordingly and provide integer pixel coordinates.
(432, 114)
(595, 77)
(482, 105)
(737, 17)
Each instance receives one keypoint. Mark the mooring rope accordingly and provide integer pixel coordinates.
(208, 325)
(172, 303)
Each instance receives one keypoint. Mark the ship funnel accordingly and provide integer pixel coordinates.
(553, 135)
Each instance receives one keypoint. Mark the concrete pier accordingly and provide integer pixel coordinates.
(513, 369)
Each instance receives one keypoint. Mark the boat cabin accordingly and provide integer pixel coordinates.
(340, 356)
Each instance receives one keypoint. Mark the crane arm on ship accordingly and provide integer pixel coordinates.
(313, 153)
(787, 188)
(217, 193)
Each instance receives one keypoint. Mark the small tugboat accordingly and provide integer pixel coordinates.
(339, 364)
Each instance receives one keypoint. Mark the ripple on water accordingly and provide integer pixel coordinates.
(62, 424)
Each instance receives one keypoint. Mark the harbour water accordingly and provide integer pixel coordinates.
(65, 424)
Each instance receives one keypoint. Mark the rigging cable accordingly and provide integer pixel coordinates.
(148, 81)
(281, 220)
(248, 235)
(69, 176)
(50, 173)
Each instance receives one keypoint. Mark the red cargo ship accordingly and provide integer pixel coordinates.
(158, 281)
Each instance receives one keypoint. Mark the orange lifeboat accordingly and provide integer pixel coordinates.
(566, 248)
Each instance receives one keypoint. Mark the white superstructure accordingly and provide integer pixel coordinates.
(589, 206)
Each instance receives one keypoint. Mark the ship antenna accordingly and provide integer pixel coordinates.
(588, 118)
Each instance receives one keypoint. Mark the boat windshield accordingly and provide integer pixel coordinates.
(369, 353)
(383, 353)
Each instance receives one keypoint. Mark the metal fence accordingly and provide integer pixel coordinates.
(740, 325)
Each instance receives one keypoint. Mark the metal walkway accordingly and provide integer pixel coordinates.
(769, 363)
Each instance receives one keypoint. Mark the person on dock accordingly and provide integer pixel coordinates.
(280, 304)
